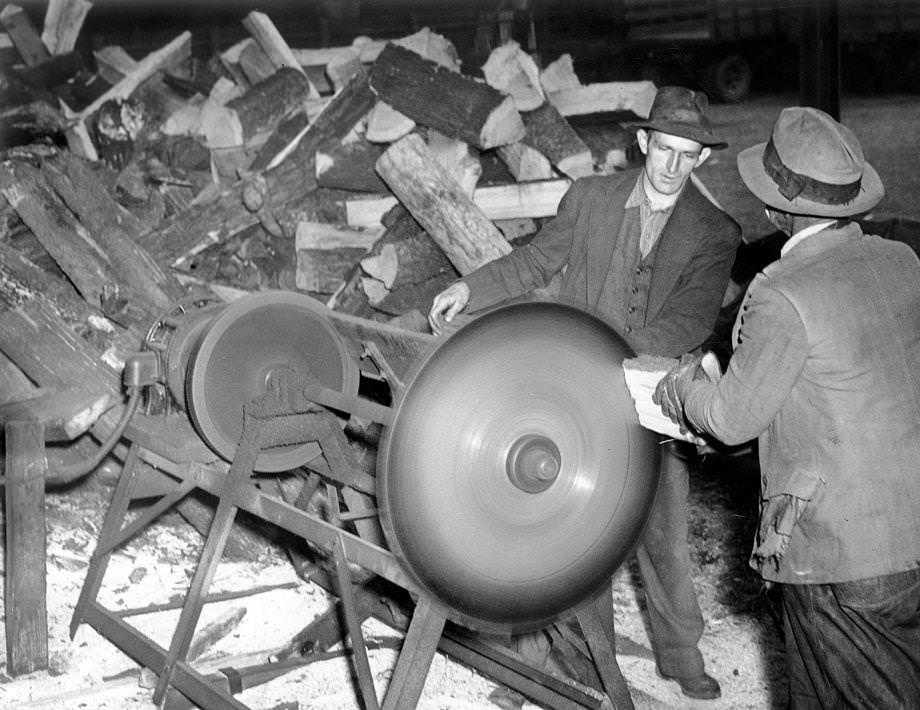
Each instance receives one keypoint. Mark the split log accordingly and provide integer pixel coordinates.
(525, 163)
(325, 255)
(113, 63)
(25, 37)
(290, 184)
(68, 241)
(114, 229)
(272, 43)
(285, 134)
(365, 48)
(255, 64)
(634, 96)
(387, 125)
(350, 166)
(438, 203)
(512, 71)
(455, 156)
(526, 199)
(550, 134)
(230, 60)
(342, 68)
(63, 22)
(269, 102)
(559, 75)
(445, 100)
(169, 55)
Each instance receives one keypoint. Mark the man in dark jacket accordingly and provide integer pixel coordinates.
(826, 374)
(646, 251)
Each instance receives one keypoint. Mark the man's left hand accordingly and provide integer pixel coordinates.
(673, 387)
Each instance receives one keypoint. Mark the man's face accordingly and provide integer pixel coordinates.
(669, 160)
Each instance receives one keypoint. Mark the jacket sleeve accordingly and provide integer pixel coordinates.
(768, 359)
(689, 314)
(530, 266)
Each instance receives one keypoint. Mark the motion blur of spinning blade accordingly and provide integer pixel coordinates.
(515, 477)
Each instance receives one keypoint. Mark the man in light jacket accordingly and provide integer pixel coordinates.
(825, 373)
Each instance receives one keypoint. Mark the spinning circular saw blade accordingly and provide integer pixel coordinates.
(515, 477)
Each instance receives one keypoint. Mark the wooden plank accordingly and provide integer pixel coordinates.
(24, 35)
(25, 602)
(64, 415)
(63, 22)
(526, 199)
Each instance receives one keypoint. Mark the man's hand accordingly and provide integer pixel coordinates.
(446, 305)
(672, 388)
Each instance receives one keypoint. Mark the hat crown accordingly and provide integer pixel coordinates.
(811, 143)
(680, 105)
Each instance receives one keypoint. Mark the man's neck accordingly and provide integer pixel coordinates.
(657, 200)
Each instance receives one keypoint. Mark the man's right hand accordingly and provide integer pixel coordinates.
(446, 305)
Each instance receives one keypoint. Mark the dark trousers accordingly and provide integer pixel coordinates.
(854, 644)
(663, 554)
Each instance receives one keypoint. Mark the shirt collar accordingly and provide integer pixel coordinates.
(639, 196)
(801, 235)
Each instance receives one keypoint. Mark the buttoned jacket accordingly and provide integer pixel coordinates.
(826, 373)
(693, 260)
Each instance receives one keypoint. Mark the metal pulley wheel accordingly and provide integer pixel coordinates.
(233, 356)
(515, 477)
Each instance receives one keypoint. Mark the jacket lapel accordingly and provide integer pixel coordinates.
(678, 242)
(607, 218)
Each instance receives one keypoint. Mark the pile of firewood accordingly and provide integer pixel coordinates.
(368, 176)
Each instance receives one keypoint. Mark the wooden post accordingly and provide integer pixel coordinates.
(26, 615)
(819, 57)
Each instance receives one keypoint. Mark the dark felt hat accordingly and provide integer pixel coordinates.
(812, 165)
(681, 112)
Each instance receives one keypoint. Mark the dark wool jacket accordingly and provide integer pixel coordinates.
(693, 261)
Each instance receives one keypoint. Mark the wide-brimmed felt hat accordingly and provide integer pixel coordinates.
(680, 111)
(812, 165)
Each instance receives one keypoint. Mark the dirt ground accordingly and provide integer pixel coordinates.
(741, 644)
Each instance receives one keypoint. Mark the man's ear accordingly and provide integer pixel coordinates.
(642, 138)
(704, 155)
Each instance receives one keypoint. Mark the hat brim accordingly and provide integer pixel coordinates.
(683, 130)
(750, 165)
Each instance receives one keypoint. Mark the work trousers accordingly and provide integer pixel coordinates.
(663, 554)
(854, 644)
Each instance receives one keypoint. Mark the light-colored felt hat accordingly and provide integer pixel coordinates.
(812, 165)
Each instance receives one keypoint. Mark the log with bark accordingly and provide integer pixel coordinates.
(445, 100)
(440, 205)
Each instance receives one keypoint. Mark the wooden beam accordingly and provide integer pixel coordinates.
(65, 415)
(25, 603)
